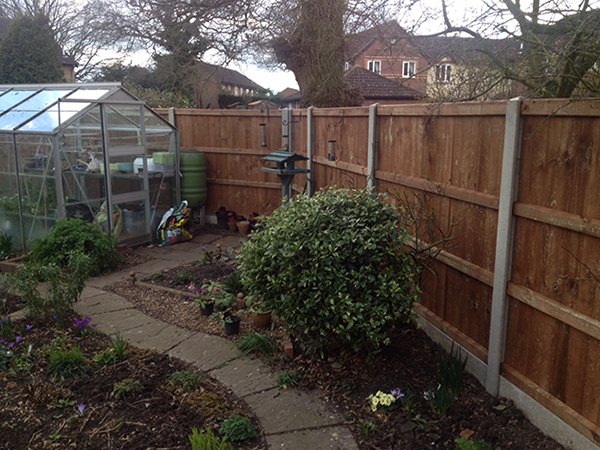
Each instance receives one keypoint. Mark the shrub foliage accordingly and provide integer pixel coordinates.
(334, 267)
(76, 236)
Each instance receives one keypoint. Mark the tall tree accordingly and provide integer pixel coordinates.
(29, 53)
(558, 41)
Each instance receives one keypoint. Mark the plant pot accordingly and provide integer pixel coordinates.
(244, 227)
(232, 226)
(208, 310)
(233, 327)
(261, 319)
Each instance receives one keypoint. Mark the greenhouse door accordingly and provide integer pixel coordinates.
(127, 170)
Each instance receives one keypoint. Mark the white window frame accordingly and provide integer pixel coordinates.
(236, 91)
(374, 65)
(443, 73)
(409, 69)
(347, 66)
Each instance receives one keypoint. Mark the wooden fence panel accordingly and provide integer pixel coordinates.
(554, 315)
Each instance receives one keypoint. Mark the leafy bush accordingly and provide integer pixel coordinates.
(63, 286)
(207, 441)
(75, 236)
(334, 267)
(238, 429)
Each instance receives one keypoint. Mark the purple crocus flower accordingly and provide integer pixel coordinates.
(2, 340)
(93, 325)
(86, 321)
(18, 339)
(28, 327)
(397, 393)
(11, 345)
(81, 408)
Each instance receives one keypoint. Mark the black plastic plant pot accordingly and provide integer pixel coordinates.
(233, 327)
(207, 310)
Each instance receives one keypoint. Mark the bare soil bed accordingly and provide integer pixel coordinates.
(346, 381)
(97, 411)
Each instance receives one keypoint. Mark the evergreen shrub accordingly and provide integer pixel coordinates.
(334, 267)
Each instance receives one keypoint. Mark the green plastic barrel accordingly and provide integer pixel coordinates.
(193, 178)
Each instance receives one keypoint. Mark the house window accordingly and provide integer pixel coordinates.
(443, 73)
(409, 69)
(374, 66)
(236, 92)
(347, 66)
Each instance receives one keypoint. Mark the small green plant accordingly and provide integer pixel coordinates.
(451, 369)
(67, 363)
(288, 380)
(6, 246)
(215, 291)
(368, 427)
(7, 329)
(439, 399)
(119, 345)
(233, 283)
(80, 237)
(238, 428)
(206, 440)
(108, 356)
(189, 381)
(158, 276)
(183, 277)
(257, 343)
(126, 386)
(409, 405)
(63, 286)
(477, 444)
(63, 403)
(5, 358)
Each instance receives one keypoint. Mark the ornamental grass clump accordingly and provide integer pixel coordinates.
(334, 267)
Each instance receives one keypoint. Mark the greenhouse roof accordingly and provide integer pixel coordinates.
(46, 108)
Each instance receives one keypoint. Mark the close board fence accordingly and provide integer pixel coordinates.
(519, 181)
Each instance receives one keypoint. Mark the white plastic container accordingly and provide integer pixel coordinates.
(138, 165)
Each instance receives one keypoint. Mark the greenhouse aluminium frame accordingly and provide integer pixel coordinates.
(81, 150)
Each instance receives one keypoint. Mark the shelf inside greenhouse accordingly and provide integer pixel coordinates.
(81, 150)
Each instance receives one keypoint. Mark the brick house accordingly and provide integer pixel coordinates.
(214, 79)
(376, 88)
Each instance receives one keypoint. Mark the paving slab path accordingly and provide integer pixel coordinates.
(294, 419)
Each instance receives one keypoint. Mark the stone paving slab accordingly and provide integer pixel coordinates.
(284, 411)
(246, 376)
(90, 292)
(103, 303)
(337, 438)
(206, 238)
(153, 266)
(140, 335)
(206, 351)
(163, 340)
(230, 241)
(107, 280)
(181, 256)
(121, 320)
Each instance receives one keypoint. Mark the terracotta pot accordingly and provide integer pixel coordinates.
(244, 227)
(261, 319)
(232, 226)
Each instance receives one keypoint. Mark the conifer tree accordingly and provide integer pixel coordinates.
(29, 53)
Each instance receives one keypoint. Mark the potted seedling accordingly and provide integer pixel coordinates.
(261, 316)
(201, 298)
(230, 322)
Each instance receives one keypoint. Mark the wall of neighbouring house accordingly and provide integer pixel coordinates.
(452, 156)
(392, 57)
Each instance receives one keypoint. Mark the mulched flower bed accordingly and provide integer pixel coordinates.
(408, 364)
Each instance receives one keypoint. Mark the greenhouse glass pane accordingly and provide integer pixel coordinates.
(52, 119)
(29, 108)
(12, 98)
(88, 94)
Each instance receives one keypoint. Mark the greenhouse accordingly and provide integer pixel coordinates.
(81, 150)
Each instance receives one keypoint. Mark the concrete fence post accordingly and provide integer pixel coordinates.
(310, 150)
(504, 244)
(373, 148)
